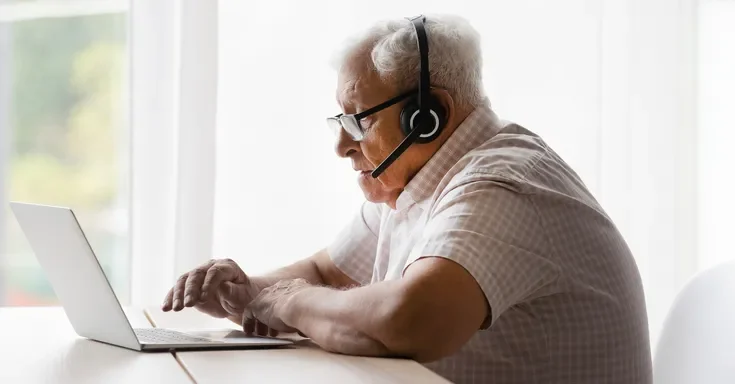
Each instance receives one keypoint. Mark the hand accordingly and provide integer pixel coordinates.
(265, 313)
(218, 288)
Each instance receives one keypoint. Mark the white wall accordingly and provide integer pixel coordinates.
(716, 70)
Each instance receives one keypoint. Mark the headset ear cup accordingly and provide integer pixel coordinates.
(437, 122)
(434, 125)
(408, 110)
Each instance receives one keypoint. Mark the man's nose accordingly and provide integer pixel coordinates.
(344, 145)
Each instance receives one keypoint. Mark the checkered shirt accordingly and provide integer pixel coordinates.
(565, 296)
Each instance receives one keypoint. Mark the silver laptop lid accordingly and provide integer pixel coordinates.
(75, 274)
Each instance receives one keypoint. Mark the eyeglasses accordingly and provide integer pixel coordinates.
(351, 123)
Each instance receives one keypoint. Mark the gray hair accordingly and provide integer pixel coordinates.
(455, 55)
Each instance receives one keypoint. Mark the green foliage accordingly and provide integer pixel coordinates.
(66, 118)
(67, 102)
(43, 59)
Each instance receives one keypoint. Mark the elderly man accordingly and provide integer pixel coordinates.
(479, 252)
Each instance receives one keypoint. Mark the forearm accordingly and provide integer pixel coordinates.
(429, 313)
(355, 321)
(302, 269)
(305, 269)
(317, 269)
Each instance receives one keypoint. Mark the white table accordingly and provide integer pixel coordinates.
(38, 345)
(302, 363)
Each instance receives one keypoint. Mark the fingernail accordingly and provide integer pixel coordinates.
(203, 296)
(176, 303)
(187, 300)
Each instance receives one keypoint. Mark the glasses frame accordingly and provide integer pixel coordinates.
(350, 123)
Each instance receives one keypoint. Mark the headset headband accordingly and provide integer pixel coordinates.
(423, 99)
(424, 79)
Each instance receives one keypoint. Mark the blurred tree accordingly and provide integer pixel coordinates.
(67, 105)
(42, 64)
(93, 124)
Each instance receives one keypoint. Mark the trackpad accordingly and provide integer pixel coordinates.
(236, 336)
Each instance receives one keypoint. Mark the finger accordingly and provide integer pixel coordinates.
(272, 332)
(229, 307)
(233, 296)
(193, 289)
(168, 300)
(216, 274)
(261, 328)
(179, 292)
(249, 326)
(248, 322)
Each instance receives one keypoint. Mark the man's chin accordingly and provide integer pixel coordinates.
(374, 198)
(375, 192)
(371, 189)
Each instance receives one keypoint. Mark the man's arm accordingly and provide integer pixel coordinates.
(429, 313)
(468, 271)
(317, 269)
(354, 249)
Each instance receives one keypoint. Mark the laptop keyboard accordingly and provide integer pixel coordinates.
(166, 336)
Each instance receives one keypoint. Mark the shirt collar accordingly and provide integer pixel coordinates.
(478, 127)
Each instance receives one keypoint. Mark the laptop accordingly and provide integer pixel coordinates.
(89, 302)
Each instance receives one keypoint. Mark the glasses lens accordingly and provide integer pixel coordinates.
(334, 125)
(352, 127)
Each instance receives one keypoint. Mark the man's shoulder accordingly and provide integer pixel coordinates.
(518, 160)
(511, 155)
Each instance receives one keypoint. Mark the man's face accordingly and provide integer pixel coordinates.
(358, 90)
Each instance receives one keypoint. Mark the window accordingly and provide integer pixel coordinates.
(64, 133)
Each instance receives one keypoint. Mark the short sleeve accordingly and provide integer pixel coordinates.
(495, 233)
(353, 250)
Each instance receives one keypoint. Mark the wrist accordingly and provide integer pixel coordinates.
(296, 306)
(257, 283)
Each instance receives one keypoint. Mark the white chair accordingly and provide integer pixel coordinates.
(697, 344)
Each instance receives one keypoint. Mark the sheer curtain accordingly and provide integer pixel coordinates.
(612, 85)
(173, 104)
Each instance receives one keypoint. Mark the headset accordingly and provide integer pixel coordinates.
(423, 117)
